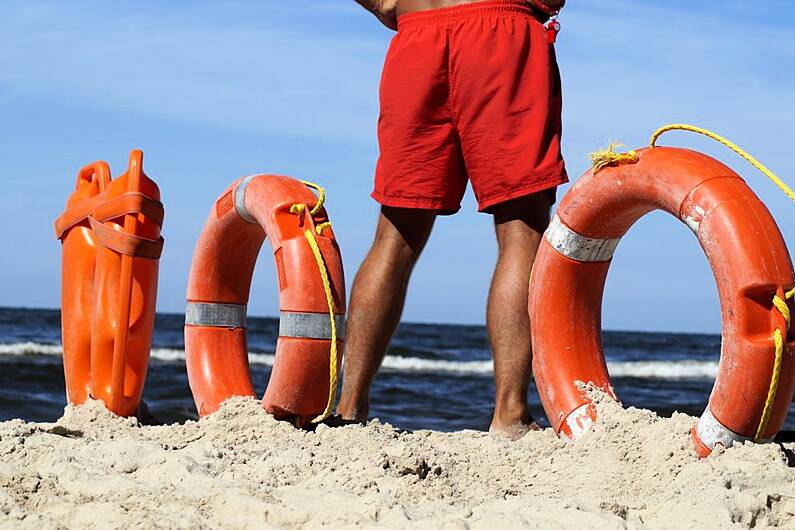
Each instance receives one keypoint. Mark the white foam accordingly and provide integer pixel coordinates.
(685, 369)
(30, 348)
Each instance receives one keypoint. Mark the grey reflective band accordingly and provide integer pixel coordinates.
(577, 247)
(712, 432)
(240, 200)
(310, 325)
(215, 315)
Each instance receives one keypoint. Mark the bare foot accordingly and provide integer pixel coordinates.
(352, 411)
(514, 431)
(337, 420)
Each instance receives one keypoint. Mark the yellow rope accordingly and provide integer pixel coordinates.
(609, 157)
(321, 192)
(321, 265)
(322, 226)
(751, 160)
(300, 209)
(779, 340)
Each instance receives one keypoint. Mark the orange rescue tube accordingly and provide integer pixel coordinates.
(111, 247)
(750, 263)
(77, 282)
(303, 380)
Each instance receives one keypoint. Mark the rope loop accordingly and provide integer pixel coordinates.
(321, 195)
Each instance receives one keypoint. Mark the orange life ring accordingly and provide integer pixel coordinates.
(750, 263)
(111, 240)
(301, 383)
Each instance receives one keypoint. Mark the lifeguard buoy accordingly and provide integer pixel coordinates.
(750, 262)
(311, 298)
(110, 233)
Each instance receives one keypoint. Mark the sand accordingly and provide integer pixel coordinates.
(240, 468)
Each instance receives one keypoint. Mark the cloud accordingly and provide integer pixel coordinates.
(268, 77)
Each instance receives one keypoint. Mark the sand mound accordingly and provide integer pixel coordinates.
(240, 468)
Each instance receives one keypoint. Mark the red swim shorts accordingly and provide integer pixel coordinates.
(469, 92)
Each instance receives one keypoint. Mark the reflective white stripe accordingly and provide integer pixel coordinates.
(215, 315)
(240, 200)
(577, 247)
(310, 325)
(579, 423)
(712, 432)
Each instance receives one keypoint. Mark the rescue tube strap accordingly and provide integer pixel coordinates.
(240, 200)
(310, 325)
(712, 432)
(578, 247)
(127, 244)
(215, 315)
(77, 214)
(130, 203)
(102, 209)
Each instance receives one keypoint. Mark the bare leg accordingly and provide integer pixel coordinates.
(519, 225)
(377, 297)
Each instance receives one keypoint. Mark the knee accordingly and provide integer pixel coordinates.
(402, 233)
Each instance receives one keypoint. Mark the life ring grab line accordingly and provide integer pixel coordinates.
(300, 210)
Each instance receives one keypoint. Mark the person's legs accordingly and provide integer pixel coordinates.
(519, 225)
(377, 297)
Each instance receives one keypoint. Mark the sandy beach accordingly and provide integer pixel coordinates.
(241, 468)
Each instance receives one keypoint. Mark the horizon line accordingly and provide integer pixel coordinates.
(413, 323)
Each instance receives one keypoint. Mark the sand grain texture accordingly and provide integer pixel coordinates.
(240, 468)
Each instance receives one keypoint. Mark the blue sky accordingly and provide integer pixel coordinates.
(215, 90)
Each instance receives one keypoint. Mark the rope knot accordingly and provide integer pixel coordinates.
(609, 157)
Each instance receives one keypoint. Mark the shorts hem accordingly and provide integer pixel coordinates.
(520, 191)
(416, 203)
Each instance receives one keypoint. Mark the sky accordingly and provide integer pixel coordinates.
(212, 91)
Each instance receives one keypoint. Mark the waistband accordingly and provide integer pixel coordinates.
(443, 15)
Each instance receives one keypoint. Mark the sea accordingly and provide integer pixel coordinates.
(435, 376)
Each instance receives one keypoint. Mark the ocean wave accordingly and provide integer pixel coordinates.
(681, 369)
